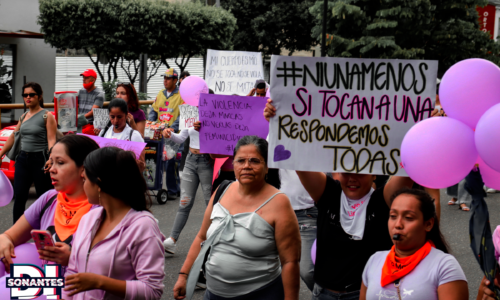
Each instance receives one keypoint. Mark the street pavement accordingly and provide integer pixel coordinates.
(454, 225)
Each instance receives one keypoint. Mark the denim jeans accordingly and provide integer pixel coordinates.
(172, 175)
(307, 224)
(320, 293)
(197, 169)
(29, 170)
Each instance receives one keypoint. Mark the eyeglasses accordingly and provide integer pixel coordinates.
(253, 162)
(29, 94)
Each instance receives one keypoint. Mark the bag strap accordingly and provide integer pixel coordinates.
(47, 205)
(130, 135)
(220, 190)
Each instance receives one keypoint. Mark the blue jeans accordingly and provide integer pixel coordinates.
(320, 293)
(29, 170)
(307, 224)
(172, 175)
(197, 169)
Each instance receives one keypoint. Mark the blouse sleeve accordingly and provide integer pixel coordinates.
(148, 259)
(449, 270)
(33, 213)
(180, 137)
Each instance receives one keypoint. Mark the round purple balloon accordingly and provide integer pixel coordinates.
(438, 152)
(191, 88)
(6, 188)
(469, 88)
(491, 178)
(313, 252)
(487, 137)
(27, 254)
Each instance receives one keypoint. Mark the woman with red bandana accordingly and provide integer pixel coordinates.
(417, 266)
(59, 210)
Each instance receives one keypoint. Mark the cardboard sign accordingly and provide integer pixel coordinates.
(346, 115)
(226, 119)
(135, 147)
(188, 115)
(101, 117)
(233, 72)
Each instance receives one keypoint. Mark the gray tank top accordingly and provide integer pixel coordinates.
(244, 256)
(34, 133)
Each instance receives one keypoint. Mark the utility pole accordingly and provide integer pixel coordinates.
(143, 74)
(323, 37)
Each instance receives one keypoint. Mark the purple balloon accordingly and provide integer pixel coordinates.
(27, 254)
(191, 88)
(438, 152)
(491, 178)
(6, 188)
(487, 137)
(313, 252)
(469, 88)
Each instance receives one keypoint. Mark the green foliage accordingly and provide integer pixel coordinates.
(109, 88)
(126, 28)
(270, 25)
(443, 30)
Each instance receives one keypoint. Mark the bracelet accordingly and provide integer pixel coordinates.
(181, 273)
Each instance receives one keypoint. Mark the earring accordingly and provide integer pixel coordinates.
(100, 204)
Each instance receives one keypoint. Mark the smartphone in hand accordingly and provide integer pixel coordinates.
(42, 238)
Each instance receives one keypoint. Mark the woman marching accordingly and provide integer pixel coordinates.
(417, 266)
(38, 130)
(252, 232)
(51, 211)
(118, 251)
(135, 117)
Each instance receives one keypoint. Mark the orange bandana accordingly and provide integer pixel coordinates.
(68, 214)
(396, 267)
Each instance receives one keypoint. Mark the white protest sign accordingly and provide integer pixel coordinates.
(346, 115)
(233, 72)
(188, 115)
(101, 117)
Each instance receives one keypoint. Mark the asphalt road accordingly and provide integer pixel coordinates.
(454, 224)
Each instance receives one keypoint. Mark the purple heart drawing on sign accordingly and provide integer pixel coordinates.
(281, 154)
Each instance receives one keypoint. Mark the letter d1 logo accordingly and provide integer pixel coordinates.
(30, 281)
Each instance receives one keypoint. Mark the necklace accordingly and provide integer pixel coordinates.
(397, 284)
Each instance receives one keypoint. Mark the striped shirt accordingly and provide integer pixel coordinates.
(86, 100)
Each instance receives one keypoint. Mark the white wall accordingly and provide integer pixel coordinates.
(34, 58)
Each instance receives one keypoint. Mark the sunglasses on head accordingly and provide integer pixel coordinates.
(123, 83)
(29, 94)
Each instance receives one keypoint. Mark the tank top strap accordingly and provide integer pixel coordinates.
(268, 200)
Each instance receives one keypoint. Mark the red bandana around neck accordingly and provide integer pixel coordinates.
(396, 267)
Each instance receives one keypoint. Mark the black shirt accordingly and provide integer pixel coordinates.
(340, 260)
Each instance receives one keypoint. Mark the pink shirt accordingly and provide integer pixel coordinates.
(132, 251)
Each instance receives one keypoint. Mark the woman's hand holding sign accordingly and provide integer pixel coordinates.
(270, 110)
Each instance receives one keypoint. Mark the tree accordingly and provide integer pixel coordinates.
(443, 30)
(123, 29)
(271, 25)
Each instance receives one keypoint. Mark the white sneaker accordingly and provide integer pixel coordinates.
(169, 245)
(492, 191)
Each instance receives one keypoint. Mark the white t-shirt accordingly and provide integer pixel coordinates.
(293, 188)
(194, 141)
(124, 135)
(435, 269)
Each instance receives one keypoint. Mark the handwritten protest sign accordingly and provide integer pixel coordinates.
(101, 117)
(188, 115)
(346, 115)
(233, 72)
(226, 119)
(135, 147)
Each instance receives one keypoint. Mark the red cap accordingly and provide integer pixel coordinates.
(89, 72)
